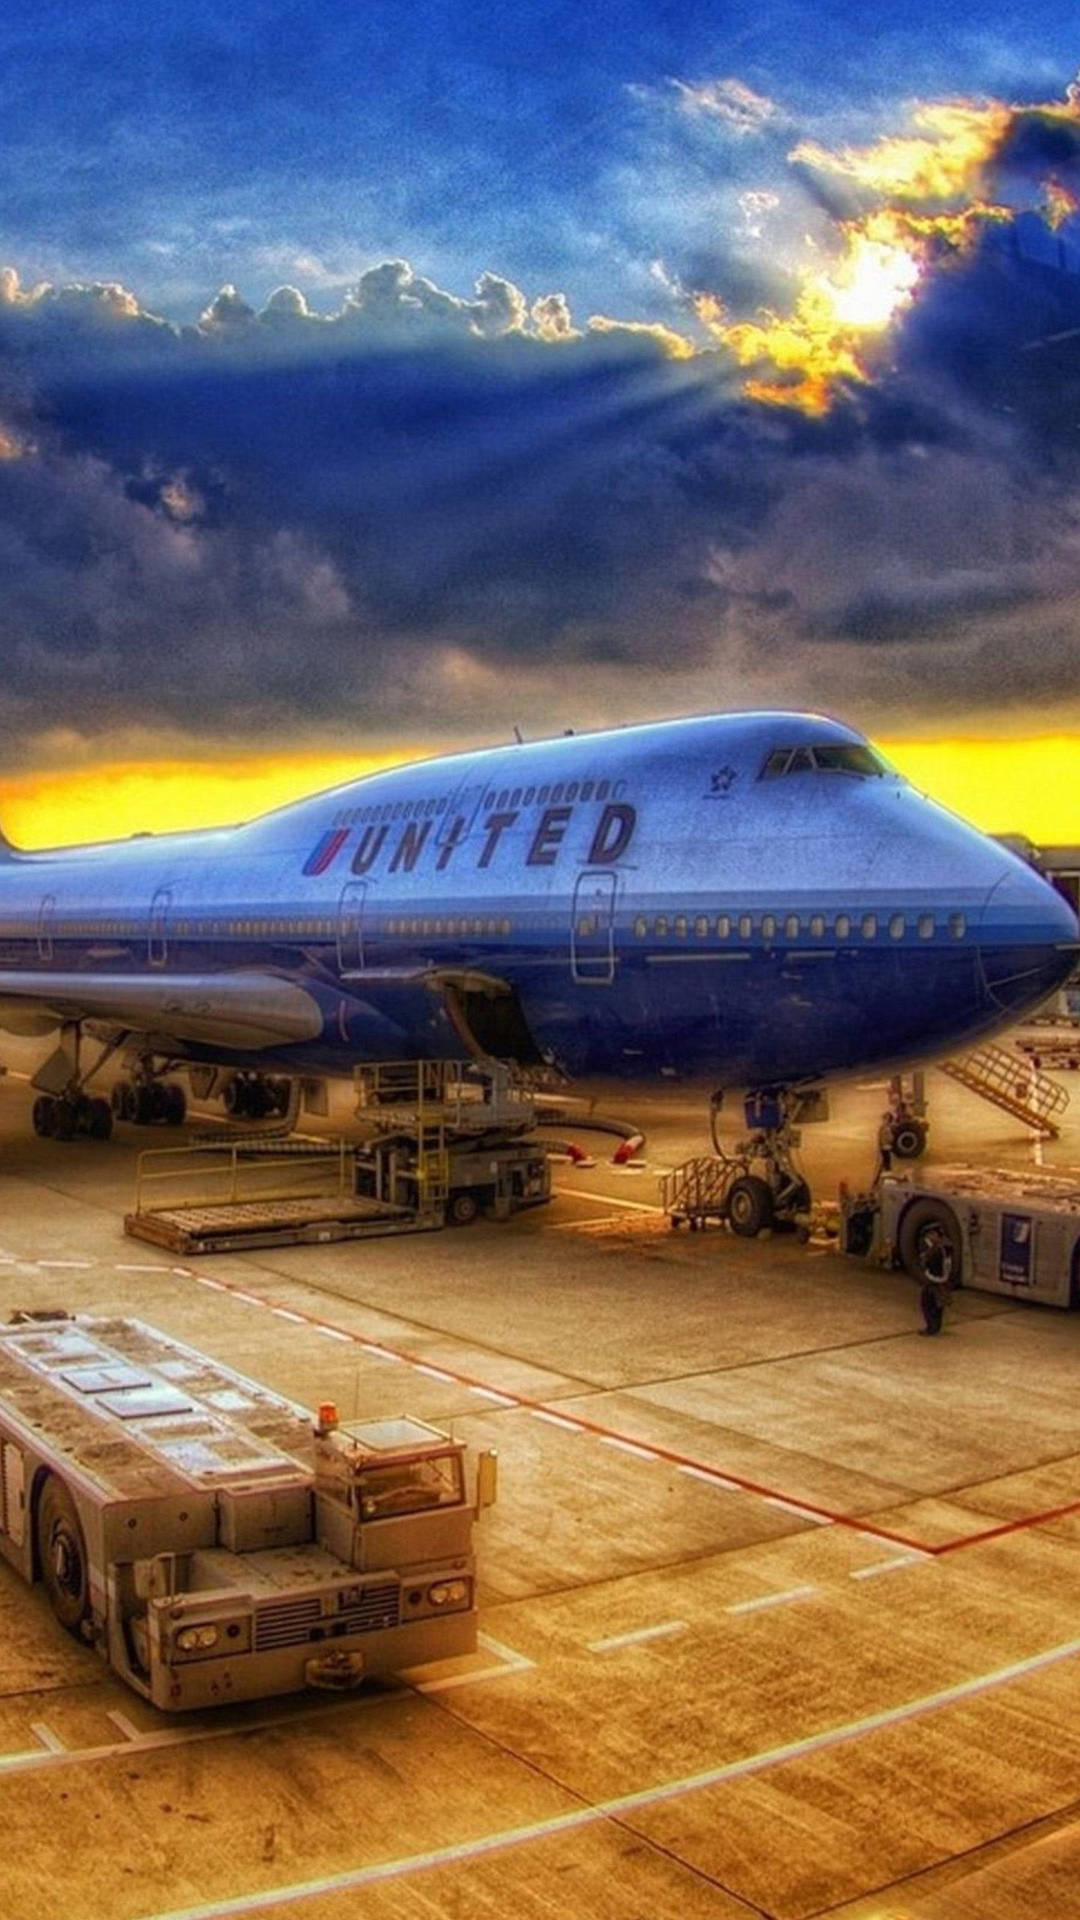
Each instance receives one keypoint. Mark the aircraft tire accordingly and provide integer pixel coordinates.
(749, 1206)
(909, 1139)
(175, 1105)
(142, 1105)
(462, 1209)
(65, 1118)
(930, 1245)
(118, 1100)
(62, 1555)
(99, 1120)
(44, 1116)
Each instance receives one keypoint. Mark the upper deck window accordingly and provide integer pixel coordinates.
(838, 757)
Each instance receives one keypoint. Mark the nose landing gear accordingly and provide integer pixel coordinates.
(764, 1184)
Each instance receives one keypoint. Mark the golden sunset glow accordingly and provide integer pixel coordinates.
(1029, 786)
(109, 802)
(926, 202)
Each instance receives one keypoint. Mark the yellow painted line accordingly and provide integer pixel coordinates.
(622, 1806)
(609, 1199)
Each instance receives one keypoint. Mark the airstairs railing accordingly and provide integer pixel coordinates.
(1008, 1082)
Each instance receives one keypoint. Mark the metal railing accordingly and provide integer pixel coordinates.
(229, 1174)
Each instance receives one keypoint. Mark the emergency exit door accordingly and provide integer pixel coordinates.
(592, 929)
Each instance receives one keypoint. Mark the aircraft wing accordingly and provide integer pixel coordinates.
(244, 1011)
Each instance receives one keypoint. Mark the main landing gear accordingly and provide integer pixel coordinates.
(763, 1183)
(64, 1109)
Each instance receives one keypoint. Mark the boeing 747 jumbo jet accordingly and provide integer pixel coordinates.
(752, 900)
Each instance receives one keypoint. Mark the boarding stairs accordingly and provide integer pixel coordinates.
(996, 1074)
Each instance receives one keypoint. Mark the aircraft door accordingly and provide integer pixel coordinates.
(157, 940)
(46, 916)
(592, 928)
(350, 928)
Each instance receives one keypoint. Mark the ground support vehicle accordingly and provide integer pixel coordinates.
(207, 1537)
(999, 1231)
(463, 1176)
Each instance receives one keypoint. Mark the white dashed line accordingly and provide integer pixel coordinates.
(283, 1313)
(890, 1566)
(497, 1399)
(554, 1420)
(331, 1333)
(772, 1600)
(125, 1266)
(792, 1506)
(661, 1632)
(73, 1264)
(434, 1373)
(43, 1732)
(380, 1353)
(711, 1479)
(628, 1446)
(123, 1725)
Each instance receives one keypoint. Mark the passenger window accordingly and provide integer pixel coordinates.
(746, 926)
(868, 926)
(660, 926)
(723, 927)
(896, 927)
(681, 927)
(641, 927)
(701, 926)
(817, 926)
(926, 926)
(791, 926)
(843, 926)
(768, 926)
(957, 926)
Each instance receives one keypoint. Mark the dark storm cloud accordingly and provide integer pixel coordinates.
(277, 520)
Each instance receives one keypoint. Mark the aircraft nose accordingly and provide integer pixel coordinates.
(1029, 938)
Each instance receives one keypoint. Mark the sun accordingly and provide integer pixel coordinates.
(875, 279)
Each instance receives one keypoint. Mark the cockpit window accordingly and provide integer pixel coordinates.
(842, 757)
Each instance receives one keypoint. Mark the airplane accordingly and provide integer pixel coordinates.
(747, 900)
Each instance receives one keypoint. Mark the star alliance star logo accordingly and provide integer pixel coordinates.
(722, 782)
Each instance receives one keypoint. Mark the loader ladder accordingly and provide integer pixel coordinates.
(1008, 1082)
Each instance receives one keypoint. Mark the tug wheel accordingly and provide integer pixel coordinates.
(461, 1209)
(62, 1555)
(749, 1206)
(930, 1244)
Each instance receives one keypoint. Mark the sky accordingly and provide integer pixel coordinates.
(375, 381)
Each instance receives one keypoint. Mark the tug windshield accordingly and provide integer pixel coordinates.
(411, 1486)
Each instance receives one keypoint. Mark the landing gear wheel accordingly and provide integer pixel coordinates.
(44, 1116)
(118, 1100)
(175, 1105)
(62, 1555)
(99, 1121)
(143, 1104)
(909, 1139)
(461, 1209)
(65, 1118)
(930, 1244)
(749, 1206)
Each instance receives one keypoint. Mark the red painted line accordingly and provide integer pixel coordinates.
(1008, 1526)
(601, 1432)
(657, 1450)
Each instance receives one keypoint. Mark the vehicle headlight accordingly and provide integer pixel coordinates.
(197, 1639)
(448, 1593)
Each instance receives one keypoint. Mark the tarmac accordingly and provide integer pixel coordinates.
(780, 1613)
